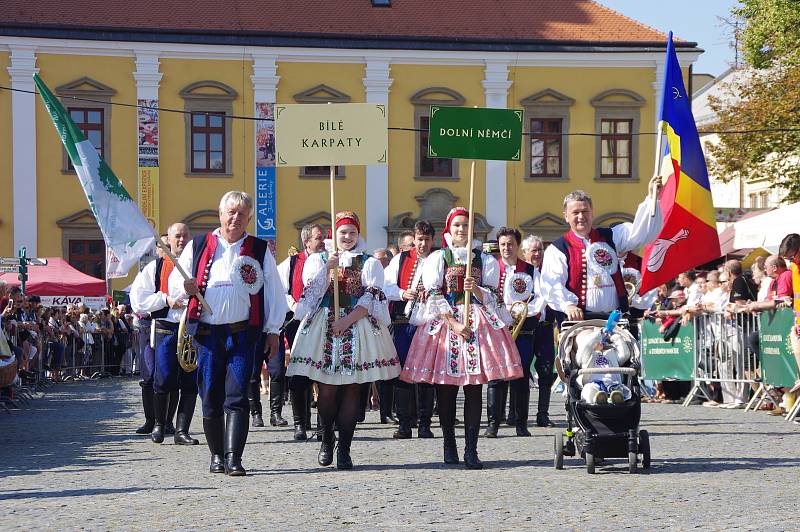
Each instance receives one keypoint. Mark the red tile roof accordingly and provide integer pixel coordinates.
(575, 22)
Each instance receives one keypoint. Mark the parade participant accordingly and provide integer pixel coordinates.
(533, 250)
(405, 241)
(236, 274)
(403, 287)
(150, 294)
(519, 290)
(448, 353)
(290, 272)
(580, 270)
(342, 353)
(147, 352)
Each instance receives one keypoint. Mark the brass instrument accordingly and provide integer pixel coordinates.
(187, 352)
(518, 311)
(632, 280)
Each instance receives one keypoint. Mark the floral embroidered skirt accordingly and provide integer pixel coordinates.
(365, 353)
(440, 356)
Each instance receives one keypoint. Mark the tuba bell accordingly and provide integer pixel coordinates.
(632, 279)
(187, 353)
(519, 312)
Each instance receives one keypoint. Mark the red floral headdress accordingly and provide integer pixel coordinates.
(455, 211)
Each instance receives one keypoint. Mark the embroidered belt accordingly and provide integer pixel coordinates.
(205, 329)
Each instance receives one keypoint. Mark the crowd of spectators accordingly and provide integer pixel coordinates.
(48, 340)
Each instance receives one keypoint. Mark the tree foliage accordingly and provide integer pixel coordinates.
(768, 97)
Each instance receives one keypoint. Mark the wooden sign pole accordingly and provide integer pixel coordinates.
(335, 248)
(470, 225)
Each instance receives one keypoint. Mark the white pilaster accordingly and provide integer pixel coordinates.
(265, 78)
(23, 147)
(376, 214)
(147, 75)
(495, 89)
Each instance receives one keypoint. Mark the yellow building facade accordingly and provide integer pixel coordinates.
(584, 93)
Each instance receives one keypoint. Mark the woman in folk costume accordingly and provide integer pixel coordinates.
(339, 354)
(449, 354)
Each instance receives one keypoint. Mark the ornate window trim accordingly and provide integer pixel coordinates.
(220, 100)
(86, 88)
(548, 104)
(422, 101)
(618, 104)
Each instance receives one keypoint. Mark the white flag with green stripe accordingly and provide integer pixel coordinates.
(124, 227)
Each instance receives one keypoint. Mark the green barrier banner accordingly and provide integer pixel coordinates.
(667, 360)
(778, 365)
(475, 133)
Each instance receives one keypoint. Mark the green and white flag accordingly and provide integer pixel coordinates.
(125, 230)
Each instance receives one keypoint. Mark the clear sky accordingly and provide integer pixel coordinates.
(691, 20)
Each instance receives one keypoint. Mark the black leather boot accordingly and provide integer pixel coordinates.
(403, 394)
(160, 411)
(521, 406)
(147, 406)
(325, 457)
(511, 419)
(542, 416)
(254, 399)
(276, 403)
(169, 427)
(386, 399)
(424, 393)
(471, 460)
(343, 460)
(184, 419)
(495, 407)
(236, 428)
(214, 429)
(450, 447)
(299, 413)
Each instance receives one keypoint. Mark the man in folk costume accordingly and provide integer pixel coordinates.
(519, 290)
(403, 287)
(580, 270)
(291, 275)
(150, 294)
(237, 276)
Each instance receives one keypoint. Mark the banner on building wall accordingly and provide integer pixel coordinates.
(147, 121)
(265, 186)
(333, 134)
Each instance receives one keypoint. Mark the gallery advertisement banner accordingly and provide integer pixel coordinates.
(148, 194)
(265, 186)
(475, 133)
(333, 134)
(148, 142)
(672, 359)
(778, 364)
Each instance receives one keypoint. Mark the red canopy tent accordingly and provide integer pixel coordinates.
(58, 278)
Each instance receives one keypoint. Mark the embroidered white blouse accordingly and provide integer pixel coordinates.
(230, 302)
(316, 279)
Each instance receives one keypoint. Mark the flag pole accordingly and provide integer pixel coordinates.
(333, 237)
(653, 191)
(470, 225)
(168, 253)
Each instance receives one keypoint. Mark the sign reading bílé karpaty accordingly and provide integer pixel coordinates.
(332, 134)
(475, 133)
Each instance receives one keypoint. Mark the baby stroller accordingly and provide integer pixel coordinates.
(599, 431)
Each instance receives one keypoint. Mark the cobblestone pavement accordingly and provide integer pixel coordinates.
(70, 460)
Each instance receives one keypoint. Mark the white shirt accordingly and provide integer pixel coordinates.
(230, 303)
(391, 278)
(693, 294)
(145, 297)
(602, 299)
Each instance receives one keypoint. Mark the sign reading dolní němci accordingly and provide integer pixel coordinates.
(475, 133)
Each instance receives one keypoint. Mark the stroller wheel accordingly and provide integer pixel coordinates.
(558, 461)
(644, 448)
(632, 457)
(590, 463)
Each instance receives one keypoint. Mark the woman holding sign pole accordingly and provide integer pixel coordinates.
(339, 353)
(448, 353)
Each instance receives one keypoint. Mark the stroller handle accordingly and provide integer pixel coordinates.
(600, 371)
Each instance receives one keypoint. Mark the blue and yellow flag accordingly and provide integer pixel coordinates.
(689, 237)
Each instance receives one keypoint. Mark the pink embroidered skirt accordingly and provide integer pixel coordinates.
(440, 356)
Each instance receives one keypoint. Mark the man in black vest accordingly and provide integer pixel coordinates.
(238, 278)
